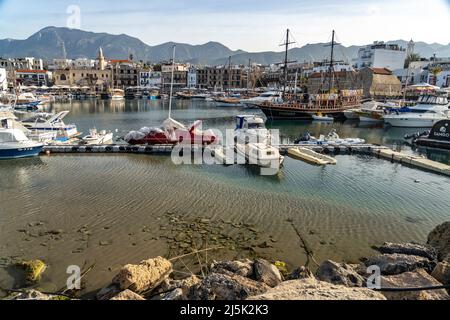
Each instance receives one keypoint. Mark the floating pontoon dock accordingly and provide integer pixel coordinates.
(368, 149)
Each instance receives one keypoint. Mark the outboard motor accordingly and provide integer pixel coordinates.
(303, 138)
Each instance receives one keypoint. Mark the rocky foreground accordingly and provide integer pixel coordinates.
(406, 265)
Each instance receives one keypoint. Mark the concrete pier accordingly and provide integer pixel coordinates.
(368, 149)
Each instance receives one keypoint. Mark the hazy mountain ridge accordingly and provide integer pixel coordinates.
(54, 42)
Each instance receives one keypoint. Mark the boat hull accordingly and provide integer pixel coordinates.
(293, 114)
(16, 153)
(405, 122)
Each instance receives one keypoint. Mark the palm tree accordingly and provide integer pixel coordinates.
(435, 70)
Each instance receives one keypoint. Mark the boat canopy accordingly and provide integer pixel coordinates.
(12, 135)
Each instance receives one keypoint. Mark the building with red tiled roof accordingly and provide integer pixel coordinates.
(33, 77)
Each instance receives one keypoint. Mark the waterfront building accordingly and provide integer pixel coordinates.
(180, 76)
(192, 78)
(221, 77)
(125, 72)
(150, 79)
(381, 55)
(33, 77)
(100, 79)
(379, 83)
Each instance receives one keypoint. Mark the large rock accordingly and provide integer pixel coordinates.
(145, 276)
(442, 272)
(300, 273)
(267, 273)
(391, 264)
(127, 295)
(439, 239)
(242, 268)
(171, 289)
(340, 273)
(415, 279)
(219, 286)
(414, 249)
(311, 289)
(33, 270)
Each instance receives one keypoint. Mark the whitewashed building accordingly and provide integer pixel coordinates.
(192, 78)
(381, 55)
(150, 79)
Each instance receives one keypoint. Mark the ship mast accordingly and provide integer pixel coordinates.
(333, 43)
(286, 45)
(230, 79)
(171, 82)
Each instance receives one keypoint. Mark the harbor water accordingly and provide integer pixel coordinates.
(109, 210)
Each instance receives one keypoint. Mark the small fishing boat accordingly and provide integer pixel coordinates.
(228, 102)
(320, 117)
(15, 144)
(311, 156)
(260, 154)
(97, 138)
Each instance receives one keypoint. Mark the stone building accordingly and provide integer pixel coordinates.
(379, 83)
(221, 77)
(342, 80)
(100, 79)
(125, 73)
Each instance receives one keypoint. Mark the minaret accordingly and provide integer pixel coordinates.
(101, 60)
(410, 50)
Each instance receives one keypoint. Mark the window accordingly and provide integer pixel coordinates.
(63, 77)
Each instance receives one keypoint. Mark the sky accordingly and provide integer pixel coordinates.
(251, 25)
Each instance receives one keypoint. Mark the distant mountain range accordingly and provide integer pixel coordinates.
(54, 42)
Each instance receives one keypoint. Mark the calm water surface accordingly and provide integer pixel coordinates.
(115, 209)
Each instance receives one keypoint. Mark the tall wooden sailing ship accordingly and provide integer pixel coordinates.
(331, 102)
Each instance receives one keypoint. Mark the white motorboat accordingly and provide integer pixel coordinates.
(97, 138)
(266, 96)
(260, 154)
(51, 122)
(321, 117)
(117, 94)
(9, 121)
(431, 108)
(371, 111)
(351, 114)
(251, 128)
(331, 139)
(15, 144)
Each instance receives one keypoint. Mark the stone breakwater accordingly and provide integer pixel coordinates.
(404, 265)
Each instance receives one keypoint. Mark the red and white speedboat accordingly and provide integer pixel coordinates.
(171, 132)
